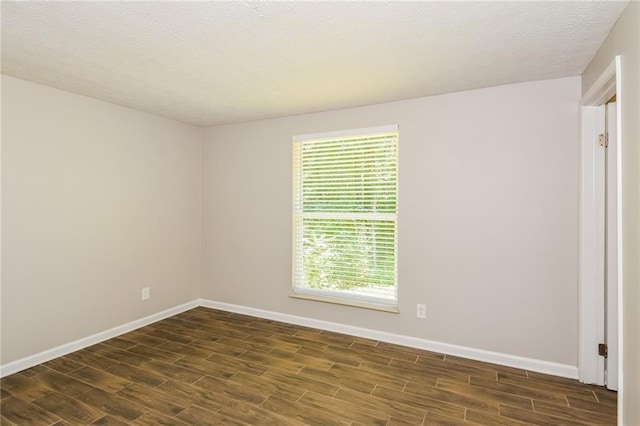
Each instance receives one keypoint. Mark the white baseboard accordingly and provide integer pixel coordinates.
(48, 355)
(530, 364)
(556, 369)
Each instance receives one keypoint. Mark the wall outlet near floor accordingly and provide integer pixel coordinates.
(145, 293)
(421, 311)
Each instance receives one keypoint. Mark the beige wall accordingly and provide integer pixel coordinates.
(488, 217)
(624, 40)
(98, 201)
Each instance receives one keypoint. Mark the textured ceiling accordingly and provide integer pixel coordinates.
(211, 63)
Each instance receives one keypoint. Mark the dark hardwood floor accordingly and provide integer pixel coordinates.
(206, 367)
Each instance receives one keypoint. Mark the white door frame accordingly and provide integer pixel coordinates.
(591, 305)
(614, 228)
(591, 269)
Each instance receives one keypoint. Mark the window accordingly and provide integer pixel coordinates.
(345, 217)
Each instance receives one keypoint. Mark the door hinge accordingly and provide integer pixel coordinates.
(603, 139)
(603, 350)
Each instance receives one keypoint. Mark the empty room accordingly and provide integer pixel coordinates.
(290, 213)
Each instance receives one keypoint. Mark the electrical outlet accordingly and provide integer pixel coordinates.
(421, 311)
(145, 293)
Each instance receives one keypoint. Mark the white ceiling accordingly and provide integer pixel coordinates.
(211, 63)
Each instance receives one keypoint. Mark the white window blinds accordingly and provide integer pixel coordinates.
(345, 212)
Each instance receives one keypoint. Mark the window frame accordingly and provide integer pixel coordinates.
(329, 296)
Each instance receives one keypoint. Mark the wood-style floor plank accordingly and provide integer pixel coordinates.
(306, 415)
(194, 415)
(152, 399)
(153, 418)
(109, 421)
(210, 367)
(189, 394)
(62, 383)
(24, 387)
(253, 415)
(100, 379)
(70, 409)
(21, 412)
(112, 404)
(383, 406)
(338, 407)
(479, 394)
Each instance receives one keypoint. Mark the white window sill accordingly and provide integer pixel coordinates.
(347, 302)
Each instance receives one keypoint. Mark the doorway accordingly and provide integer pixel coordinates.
(601, 233)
